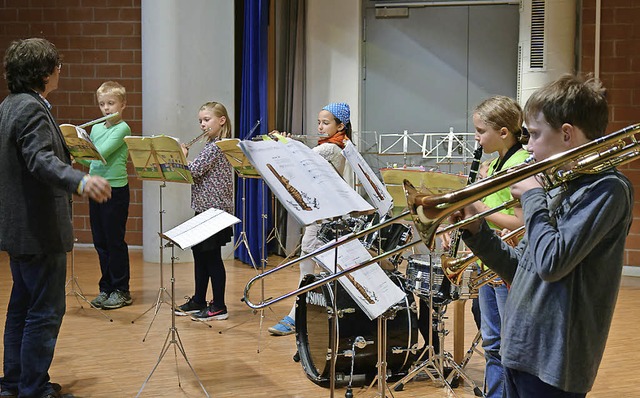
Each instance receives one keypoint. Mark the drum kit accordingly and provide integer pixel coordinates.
(358, 338)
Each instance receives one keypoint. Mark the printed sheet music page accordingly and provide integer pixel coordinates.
(370, 286)
(200, 227)
(378, 194)
(304, 182)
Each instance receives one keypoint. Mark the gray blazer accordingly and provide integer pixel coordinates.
(36, 179)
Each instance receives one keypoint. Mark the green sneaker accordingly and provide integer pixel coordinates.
(117, 299)
(99, 300)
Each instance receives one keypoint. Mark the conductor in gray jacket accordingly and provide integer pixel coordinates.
(36, 183)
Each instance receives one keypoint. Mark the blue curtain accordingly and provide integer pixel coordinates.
(253, 108)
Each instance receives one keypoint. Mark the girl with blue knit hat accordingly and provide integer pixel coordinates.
(334, 124)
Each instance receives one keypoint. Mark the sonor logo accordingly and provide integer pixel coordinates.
(315, 298)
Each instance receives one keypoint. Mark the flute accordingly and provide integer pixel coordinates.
(295, 137)
(198, 138)
(102, 119)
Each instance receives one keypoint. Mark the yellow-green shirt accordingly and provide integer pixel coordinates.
(503, 195)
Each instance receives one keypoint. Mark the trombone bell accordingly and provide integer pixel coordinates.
(425, 225)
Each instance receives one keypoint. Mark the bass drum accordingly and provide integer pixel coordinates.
(313, 331)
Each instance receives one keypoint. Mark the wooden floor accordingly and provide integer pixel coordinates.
(237, 357)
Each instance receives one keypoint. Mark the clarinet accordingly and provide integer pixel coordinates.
(456, 235)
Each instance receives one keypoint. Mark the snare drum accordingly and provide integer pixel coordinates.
(419, 269)
(313, 331)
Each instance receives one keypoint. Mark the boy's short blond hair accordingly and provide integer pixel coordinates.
(113, 88)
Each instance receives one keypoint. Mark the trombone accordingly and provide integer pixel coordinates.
(428, 211)
(318, 283)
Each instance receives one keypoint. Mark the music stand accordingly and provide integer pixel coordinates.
(81, 148)
(185, 235)
(158, 158)
(275, 233)
(244, 170)
(75, 290)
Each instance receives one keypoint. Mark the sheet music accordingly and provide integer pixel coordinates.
(303, 181)
(237, 160)
(370, 286)
(80, 144)
(376, 190)
(158, 157)
(200, 227)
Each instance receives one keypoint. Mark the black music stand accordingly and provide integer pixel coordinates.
(158, 158)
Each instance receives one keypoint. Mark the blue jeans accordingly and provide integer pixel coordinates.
(34, 315)
(492, 300)
(519, 384)
(108, 228)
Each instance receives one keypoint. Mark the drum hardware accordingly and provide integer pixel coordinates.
(358, 342)
(345, 311)
(452, 379)
(436, 363)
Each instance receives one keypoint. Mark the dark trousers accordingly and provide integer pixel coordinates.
(208, 266)
(34, 316)
(108, 227)
(519, 384)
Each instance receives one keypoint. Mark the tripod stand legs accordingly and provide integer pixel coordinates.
(175, 338)
(158, 303)
(162, 291)
(76, 291)
(177, 345)
(437, 363)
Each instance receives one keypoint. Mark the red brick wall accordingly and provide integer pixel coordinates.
(99, 40)
(620, 73)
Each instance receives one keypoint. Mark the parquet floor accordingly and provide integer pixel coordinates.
(237, 357)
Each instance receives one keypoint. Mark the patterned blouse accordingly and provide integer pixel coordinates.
(212, 180)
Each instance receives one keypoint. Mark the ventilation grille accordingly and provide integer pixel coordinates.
(536, 56)
(519, 77)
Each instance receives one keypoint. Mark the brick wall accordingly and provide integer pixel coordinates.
(620, 73)
(99, 40)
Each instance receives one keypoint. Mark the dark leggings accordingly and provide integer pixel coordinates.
(208, 265)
